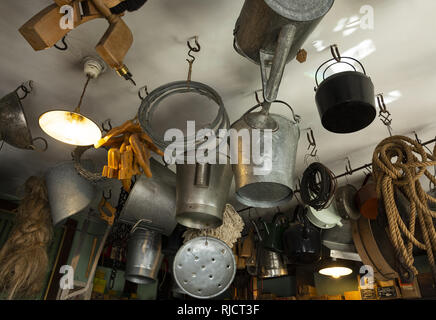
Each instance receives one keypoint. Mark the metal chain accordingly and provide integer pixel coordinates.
(118, 237)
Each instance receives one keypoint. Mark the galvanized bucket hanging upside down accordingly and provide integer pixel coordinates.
(202, 191)
(270, 183)
(153, 200)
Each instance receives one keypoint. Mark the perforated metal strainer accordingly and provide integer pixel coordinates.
(204, 267)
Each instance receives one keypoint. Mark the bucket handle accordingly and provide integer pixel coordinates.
(337, 58)
(295, 117)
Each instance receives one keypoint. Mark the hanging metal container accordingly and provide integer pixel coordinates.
(273, 235)
(326, 218)
(270, 183)
(345, 204)
(204, 267)
(302, 240)
(154, 108)
(153, 200)
(14, 129)
(68, 192)
(345, 99)
(261, 21)
(202, 192)
(271, 264)
(340, 237)
(144, 256)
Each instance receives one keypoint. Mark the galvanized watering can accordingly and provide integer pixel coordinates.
(202, 192)
(273, 236)
(13, 123)
(144, 256)
(270, 183)
(271, 32)
(68, 192)
(152, 201)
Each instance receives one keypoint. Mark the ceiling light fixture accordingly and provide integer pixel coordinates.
(72, 127)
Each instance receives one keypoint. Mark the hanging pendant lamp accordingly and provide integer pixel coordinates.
(72, 127)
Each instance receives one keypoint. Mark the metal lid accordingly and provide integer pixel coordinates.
(204, 267)
(344, 200)
(326, 218)
(300, 10)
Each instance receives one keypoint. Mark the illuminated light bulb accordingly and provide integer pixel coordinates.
(336, 272)
(70, 127)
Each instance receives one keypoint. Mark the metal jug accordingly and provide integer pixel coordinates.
(273, 236)
(271, 264)
(269, 184)
(144, 256)
(153, 200)
(68, 192)
(13, 123)
(202, 192)
(302, 240)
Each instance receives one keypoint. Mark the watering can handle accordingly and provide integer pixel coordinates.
(266, 227)
(295, 117)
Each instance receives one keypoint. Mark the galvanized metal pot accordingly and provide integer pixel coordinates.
(144, 256)
(270, 183)
(271, 264)
(153, 200)
(68, 192)
(13, 123)
(261, 21)
(202, 192)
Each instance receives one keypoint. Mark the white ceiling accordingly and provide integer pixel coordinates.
(402, 60)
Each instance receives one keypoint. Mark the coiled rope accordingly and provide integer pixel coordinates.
(318, 186)
(399, 162)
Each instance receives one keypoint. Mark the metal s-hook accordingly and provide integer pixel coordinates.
(109, 125)
(107, 197)
(143, 89)
(195, 48)
(384, 114)
(335, 52)
(26, 87)
(312, 143)
(348, 169)
(65, 47)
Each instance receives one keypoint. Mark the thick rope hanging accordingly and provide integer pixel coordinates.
(318, 186)
(398, 163)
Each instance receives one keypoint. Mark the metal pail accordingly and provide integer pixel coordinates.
(153, 200)
(202, 192)
(144, 256)
(270, 183)
(68, 192)
(13, 123)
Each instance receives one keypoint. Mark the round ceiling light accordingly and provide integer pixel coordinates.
(70, 127)
(335, 272)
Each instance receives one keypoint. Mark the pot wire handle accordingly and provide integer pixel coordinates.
(295, 117)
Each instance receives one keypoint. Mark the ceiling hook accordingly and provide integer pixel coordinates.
(143, 89)
(65, 45)
(335, 52)
(348, 169)
(256, 95)
(195, 48)
(312, 143)
(106, 125)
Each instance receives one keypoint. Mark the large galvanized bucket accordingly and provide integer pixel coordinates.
(270, 183)
(261, 21)
(202, 192)
(68, 192)
(153, 200)
(144, 256)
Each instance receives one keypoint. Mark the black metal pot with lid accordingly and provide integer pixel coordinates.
(345, 100)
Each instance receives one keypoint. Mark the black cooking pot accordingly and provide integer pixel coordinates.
(302, 240)
(345, 100)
